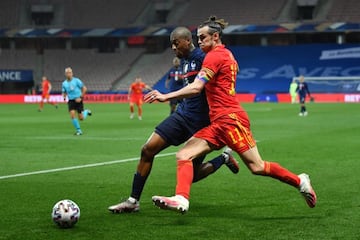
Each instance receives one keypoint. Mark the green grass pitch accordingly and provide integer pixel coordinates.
(324, 144)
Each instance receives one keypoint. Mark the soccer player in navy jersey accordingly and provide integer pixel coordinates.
(174, 82)
(191, 115)
(302, 90)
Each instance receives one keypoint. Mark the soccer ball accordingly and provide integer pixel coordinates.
(65, 213)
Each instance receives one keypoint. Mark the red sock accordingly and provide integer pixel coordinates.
(274, 170)
(131, 109)
(41, 105)
(184, 178)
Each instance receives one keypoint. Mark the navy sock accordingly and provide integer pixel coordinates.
(217, 162)
(138, 185)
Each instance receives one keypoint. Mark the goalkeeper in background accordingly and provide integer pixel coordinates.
(303, 90)
(293, 91)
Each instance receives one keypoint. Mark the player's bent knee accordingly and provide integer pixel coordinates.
(147, 152)
(183, 155)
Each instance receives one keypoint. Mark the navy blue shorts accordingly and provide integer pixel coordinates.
(177, 129)
(302, 98)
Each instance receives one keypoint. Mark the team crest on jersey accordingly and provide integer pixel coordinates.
(193, 65)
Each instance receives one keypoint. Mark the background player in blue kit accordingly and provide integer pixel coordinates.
(174, 82)
(191, 115)
(302, 90)
(74, 89)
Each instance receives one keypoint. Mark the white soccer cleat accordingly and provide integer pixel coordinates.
(306, 190)
(140, 118)
(301, 114)
(305, 114)
(176, 203)
(131, 116)
(230, 161)
(127, 206)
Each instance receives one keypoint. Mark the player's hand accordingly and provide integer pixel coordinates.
(155, 95)
(78, 100)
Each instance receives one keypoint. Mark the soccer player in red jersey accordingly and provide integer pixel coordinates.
(46, 89)
(135, 96)
(229, 123)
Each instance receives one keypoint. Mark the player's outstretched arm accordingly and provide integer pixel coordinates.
(190, 90)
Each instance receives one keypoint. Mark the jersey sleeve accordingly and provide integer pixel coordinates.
(80, 83)
(63, 89)
(212, 63)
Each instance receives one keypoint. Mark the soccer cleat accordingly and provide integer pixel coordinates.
(306, 190)
(126, 206)
(131, 116)
(301, 114)
(78, 133)
(230, 161)
(56, 106)
(176, 203)
(305, 114)
(140, 118)
(89, 112)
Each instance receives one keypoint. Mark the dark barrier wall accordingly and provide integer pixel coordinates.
(16, 81)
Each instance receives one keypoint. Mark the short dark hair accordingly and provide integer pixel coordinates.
(181, 32)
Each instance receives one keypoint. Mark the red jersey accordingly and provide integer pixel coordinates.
(45, 86)
(137, 88)
(220, 89)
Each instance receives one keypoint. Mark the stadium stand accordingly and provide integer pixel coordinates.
(98, 70)
(111, 13)
(9, 13)
(75, 13)
(19, 59)
(115, 71)
(234, 11)
(124, 13)
(344, 11)
(150, 67)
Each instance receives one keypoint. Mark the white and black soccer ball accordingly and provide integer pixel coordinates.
(65, 213)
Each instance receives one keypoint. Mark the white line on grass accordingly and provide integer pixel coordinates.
(82, 138)
(79, 166)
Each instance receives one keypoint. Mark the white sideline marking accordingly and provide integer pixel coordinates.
(79, 166)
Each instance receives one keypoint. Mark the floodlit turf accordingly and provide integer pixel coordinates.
(324, 144)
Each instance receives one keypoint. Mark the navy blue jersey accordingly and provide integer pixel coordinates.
(303, 89)
(175, 79)
(195, 108)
